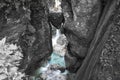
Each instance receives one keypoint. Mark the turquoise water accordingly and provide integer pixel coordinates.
(57, 59)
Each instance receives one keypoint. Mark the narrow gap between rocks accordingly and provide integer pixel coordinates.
(54, 68)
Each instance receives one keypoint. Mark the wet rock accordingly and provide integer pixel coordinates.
(56, 19)
(71, 76)
(53, 73)
(12, 18)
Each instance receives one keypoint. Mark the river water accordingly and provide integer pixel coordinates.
(55, 67)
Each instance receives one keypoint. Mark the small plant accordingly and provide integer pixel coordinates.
(10, 56)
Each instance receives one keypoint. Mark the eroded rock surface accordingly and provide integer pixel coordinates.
(26, 23)
(81, 17)
(107, 67)
(41, 47)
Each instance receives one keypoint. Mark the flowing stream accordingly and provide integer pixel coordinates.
(54, 69)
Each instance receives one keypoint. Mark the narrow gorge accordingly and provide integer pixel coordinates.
(59, 39)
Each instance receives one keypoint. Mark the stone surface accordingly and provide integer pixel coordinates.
(107, 67)
(55, 15)
(81, 17)
(56, 19)
(54, 69)
(26, 23)
(41, 42)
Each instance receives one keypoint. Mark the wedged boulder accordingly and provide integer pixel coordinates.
(55, 16)
(56, 19)
(81, 17)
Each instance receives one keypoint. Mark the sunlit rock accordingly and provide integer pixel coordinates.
(55, 16)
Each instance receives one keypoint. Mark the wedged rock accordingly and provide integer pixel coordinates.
(55, 15)
(56, 19)
(12, 20)
(81, 17)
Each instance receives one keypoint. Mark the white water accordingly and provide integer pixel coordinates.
(57, 58)
(55, 38)
(57, 3)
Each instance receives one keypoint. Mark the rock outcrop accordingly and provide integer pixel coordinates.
(90, 26)
(93, 59)
(40, 40)
(26, 23)
(81, 18)
(107, 62)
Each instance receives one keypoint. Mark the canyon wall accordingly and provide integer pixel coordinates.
(90, 26)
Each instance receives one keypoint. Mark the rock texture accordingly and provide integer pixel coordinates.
(37, 45)
(81, 17)
(25, 22)
(107, 66)
(101, 35)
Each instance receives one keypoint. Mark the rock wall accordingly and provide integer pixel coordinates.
(107, 66)
(101, 36)
(41, 48)
(90, 26)
(81, 18)
(26, 23)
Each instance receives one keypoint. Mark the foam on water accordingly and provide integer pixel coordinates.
(55, 38)
(56, 61)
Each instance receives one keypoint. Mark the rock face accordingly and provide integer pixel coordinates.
(97, 56)
(41, 42)
(106, 67)
(92, 35)
(55, 17)
(26, 23)
(81, 17)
